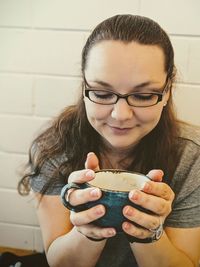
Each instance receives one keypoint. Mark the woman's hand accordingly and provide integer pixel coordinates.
(156, 197)
(83, 220)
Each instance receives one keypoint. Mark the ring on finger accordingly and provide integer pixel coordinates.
(157, 232)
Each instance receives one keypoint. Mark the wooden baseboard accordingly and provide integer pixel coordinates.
(19, 252)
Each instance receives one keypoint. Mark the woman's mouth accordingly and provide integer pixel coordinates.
(120, 130)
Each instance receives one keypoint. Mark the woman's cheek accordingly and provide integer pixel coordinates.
(149, 115)
(98, 112)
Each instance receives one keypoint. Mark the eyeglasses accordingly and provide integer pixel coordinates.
(136, 99)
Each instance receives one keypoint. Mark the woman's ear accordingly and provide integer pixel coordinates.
(83, 95)
(166, 97)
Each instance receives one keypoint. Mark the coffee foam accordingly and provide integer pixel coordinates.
(118, 181)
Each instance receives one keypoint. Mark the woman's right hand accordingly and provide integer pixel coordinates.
(82, 220)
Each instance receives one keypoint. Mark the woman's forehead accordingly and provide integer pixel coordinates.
(111, 60)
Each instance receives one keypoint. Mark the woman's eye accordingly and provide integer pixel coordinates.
(103, 94)
(143, 97)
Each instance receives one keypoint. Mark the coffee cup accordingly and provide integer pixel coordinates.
(115, 186)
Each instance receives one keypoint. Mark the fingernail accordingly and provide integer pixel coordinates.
(90, 173)
(145, 186)
(128, 211)
(134, 195)
(90, 154)
(99, 210)
(126, 225)
(95, 192)
(111, 232)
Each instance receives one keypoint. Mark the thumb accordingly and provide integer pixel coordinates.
(155, 175)
(92, 162)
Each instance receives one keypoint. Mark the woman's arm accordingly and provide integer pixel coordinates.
(64, 245)
(64, 232)
(177, 247)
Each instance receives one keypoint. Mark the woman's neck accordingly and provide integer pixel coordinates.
(116, 158)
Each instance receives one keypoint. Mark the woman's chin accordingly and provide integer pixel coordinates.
(121, 146)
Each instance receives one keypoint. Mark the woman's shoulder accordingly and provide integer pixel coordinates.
(189, 144)
(186, 178)
(190, 133)
(189, 157)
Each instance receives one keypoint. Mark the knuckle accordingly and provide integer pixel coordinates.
(77, 176)
(91, 216)
(154, 224)
(141, 234)
(73, 197)
(79, 229)
(172, 195)
(138, 217)
(165, 193)
(161, 208)
(73, 218)
(78, 196)
(169, 209)
(70, 178)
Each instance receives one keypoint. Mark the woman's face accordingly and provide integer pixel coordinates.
(124, 68)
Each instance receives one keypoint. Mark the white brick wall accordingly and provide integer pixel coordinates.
(40, 47)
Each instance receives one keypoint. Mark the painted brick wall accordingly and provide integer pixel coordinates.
(40, 47)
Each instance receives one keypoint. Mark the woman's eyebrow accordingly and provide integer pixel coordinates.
(142, 85)
(138, 86)
(146, 84)
(102, 83)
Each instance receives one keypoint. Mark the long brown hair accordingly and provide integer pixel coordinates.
(71, 133)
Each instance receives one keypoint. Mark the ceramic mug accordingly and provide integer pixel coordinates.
(115, 186)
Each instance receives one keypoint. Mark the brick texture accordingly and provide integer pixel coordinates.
(40, 50)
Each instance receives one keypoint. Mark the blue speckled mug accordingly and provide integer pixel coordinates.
(115, 186)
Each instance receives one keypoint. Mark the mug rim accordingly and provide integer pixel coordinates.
(116, 171)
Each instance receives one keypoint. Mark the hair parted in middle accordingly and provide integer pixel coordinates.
(71, 134)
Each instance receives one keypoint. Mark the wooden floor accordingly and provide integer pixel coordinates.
(19, 252)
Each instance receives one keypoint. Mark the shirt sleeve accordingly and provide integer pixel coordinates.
(186, 214)
(186, 185)
(46, 180)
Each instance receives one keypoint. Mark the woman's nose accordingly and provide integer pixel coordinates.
(122, 110)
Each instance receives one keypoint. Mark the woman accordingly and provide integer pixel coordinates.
(124, 119)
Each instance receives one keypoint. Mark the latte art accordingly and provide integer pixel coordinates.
(118, 181)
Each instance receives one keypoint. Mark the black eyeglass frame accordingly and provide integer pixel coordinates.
(160, 95)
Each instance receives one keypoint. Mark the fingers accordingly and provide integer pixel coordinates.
(159, 189)
(81, 176)
(77, 197)
(83, 196)
(83, 222)
(155, 175)
(91, 165)
(92, 161)
(145, 223)
(143, 219)
(156, 197)
(137, 232)
(159, 201)
(87, 216)
(96, 232)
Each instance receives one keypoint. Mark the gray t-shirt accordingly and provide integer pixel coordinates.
(186, 206)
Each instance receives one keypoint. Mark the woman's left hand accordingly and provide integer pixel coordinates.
(155, 196)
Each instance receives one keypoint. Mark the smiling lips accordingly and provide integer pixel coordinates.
(120, 131)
